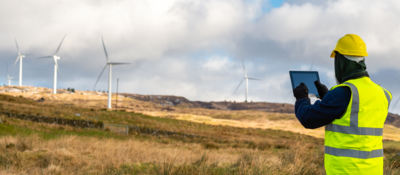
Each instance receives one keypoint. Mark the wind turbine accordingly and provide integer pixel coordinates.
(20, 63)
(247, 82)
(8, 77)
(109, 74)
(55, 57)
(396, 103)
(312, 63)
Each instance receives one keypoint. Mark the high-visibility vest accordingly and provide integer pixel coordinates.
(353, 143)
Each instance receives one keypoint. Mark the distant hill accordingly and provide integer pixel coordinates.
(166, 100)
(393, 119)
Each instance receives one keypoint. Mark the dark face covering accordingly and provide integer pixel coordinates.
(346, 69)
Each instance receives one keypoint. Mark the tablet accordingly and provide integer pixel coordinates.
(306, 77)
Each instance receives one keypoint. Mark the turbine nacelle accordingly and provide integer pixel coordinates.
(56, 57)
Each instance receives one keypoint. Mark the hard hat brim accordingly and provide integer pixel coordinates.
(357, 54)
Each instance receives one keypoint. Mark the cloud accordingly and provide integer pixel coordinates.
(194, 48)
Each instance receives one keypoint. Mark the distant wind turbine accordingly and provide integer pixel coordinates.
(396, 103)
(312, 63)
(8, 77)
(20, 56)
(109, 74)
(55, 58)
(247, 82)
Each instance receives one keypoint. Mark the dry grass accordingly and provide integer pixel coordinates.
(80, 155)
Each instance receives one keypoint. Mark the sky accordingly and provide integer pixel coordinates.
(195, 48)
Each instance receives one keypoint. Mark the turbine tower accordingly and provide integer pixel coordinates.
(20, 56)
(55, 58)
(247, 82)
(109, 74)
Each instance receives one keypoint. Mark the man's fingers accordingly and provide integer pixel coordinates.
(317, 83)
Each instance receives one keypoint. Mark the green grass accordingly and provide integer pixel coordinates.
(47, 132)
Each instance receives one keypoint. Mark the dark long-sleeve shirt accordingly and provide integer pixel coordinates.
(323, 112)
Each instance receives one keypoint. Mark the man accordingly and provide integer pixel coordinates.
(353, 112)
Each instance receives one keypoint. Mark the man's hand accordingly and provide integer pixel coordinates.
(322, 89)
(300, 91)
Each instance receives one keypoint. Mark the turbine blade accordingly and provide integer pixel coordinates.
(17, 46)
(244, 69)
(100, 76)
(254, 79)
(239, 85)
(104, 47)
(312, 63)
(396, 103)
(16, 61)
(45, 57)
(7, 70)
(115, 63)
(60, 44)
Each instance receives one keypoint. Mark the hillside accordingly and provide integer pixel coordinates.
(250, 115)
(143, 137)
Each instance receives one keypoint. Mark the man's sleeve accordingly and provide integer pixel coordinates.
(321, 113)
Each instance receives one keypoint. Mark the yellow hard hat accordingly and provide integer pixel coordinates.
(351, 45)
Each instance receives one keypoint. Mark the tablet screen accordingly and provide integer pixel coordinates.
(306, 77)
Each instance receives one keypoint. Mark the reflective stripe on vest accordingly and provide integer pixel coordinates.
(388, 97)
(354, 129)
(354, 153)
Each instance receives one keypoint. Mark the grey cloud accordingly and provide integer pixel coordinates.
(194, 48)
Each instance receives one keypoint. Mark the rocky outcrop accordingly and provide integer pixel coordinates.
(164, 100)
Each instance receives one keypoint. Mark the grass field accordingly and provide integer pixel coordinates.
(223, 148)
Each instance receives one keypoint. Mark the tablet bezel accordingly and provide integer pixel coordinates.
(308, 72)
